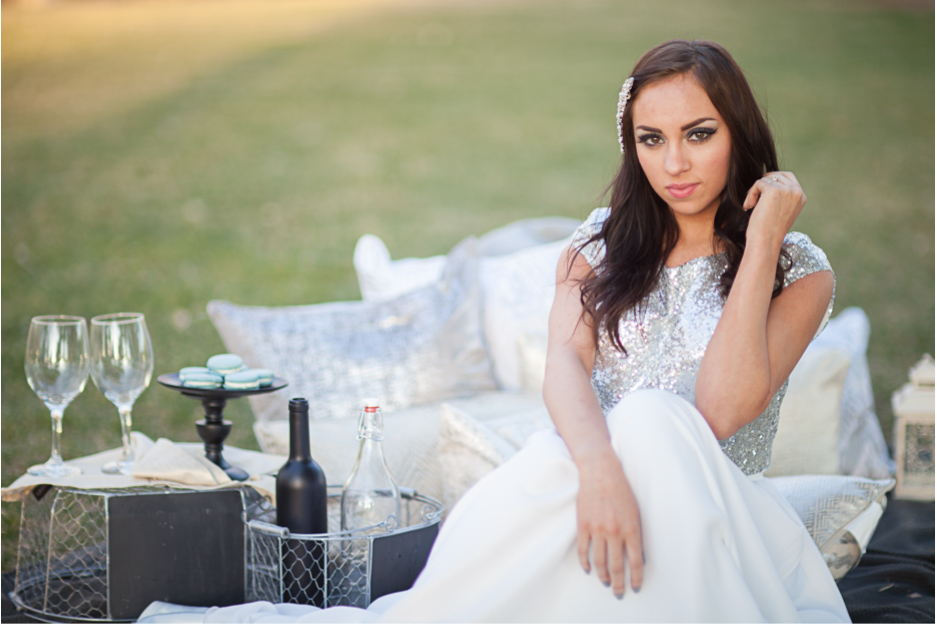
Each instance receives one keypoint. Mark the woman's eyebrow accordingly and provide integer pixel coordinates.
(697, 122)
(686, 127)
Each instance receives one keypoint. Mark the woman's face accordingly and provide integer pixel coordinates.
(683, 145)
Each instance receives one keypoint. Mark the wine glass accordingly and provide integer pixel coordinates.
(121, 367)
(56, 369)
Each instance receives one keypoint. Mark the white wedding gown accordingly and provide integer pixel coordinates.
(720, 543)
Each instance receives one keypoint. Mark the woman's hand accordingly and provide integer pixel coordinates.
(775, 201)
(608, 521)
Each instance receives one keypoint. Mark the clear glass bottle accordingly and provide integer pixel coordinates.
(370, 498)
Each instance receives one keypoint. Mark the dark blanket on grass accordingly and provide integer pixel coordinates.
(894, 581)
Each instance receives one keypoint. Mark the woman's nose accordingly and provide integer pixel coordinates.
(676, 161)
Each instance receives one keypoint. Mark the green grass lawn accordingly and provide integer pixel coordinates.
(157, 155)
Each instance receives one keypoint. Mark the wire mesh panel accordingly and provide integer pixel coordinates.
(62, 568)
(335, 568)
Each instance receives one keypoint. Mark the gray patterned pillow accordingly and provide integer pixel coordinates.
(421, 347)
(840, 513)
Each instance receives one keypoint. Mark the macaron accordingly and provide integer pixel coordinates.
(264, 376)
(207, 381)
(225, 363)
(244, 380)
(186, 372)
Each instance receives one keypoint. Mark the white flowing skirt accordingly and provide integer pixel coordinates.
(719, 546)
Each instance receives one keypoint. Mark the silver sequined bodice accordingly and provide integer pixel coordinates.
(666, 339)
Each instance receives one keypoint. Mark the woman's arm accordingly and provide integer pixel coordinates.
(759, 340)
(606, 510)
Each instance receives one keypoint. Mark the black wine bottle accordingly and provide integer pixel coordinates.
(302, 507)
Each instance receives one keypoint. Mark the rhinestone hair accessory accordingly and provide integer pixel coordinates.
(623, 98)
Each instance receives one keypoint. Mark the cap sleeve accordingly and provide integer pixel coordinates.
(807, 258)
(593, 252)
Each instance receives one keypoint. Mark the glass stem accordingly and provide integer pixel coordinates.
(125, 423)
(56, 457)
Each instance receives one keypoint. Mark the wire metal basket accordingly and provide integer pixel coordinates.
(350, 568)
(74, 565)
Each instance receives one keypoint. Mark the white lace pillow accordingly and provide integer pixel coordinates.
(807, 441)
(478, 435)
(840, 513)
(410, 446)
(421, 347)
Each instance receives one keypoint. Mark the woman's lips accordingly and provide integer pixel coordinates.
(680, 191)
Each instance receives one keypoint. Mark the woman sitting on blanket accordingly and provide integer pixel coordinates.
(679, 314)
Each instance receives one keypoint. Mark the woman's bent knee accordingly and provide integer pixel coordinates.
(649, 413)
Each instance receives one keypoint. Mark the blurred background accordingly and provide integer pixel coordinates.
(158, 154)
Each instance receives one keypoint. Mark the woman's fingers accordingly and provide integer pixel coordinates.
(583, 540)
(635, 554)
(616, 566)
(610, 556)
(782, 181)
(600, 557)
(751, 199)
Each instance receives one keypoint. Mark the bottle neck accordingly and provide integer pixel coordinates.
(371, 424)
(299, 435)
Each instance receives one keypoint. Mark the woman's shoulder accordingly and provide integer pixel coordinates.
(593, 252)
(806, 257)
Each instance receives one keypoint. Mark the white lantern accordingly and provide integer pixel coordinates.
(913, 406)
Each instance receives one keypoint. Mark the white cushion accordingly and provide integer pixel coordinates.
(807, 441)
(518, 291)
(532, 360)
(381, 278)
(862, 448)
(478, 435)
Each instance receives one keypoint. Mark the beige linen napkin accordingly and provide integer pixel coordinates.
(168, 461)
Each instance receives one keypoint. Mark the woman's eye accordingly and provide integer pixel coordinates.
(651, 139)
(701, 134)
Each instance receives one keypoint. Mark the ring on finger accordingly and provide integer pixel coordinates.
(774, 179)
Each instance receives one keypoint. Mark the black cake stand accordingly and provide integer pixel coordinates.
(214, 428)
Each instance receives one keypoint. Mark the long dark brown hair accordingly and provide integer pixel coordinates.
(641, 230)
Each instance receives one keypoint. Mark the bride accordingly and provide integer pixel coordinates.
(680, 311)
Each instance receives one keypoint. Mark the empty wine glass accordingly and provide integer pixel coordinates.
(121, 367)
(56, 369)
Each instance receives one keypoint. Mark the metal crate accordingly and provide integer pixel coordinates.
(70, 543)
(350, 568)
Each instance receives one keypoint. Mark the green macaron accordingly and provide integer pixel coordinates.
(264, 376)
(244, 380)
(188, 371)
(225, 363)
(205, 381)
